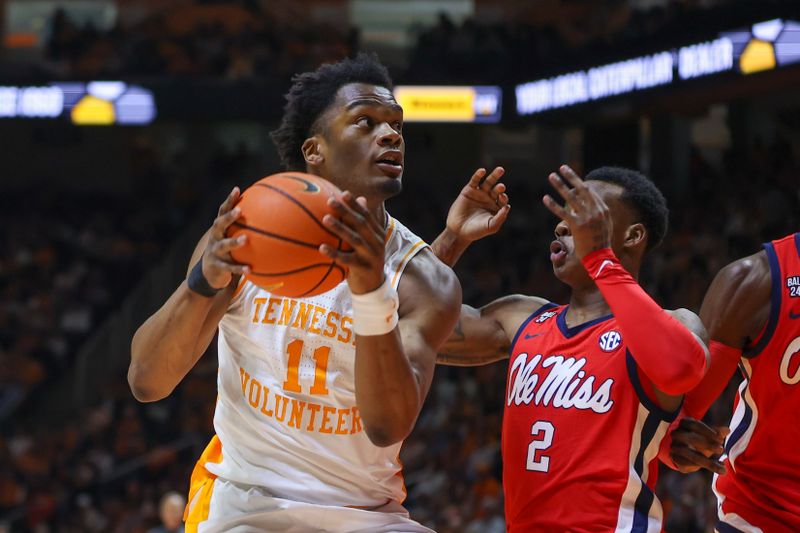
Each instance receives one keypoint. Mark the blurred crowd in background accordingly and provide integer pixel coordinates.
(241, 40)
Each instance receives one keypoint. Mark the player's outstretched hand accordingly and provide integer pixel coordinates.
(586, 214)
(218, 265)
(357, 227)
(696, 445)
(481, 207)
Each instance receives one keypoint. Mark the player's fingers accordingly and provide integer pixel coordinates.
(701, 443)
(554, 208)
(571, 177)
(492, 178)
(569, 195)
(477, 176)
(229, 202)
(376, 226)
(224, 220)
(224, 246)
(227, 264)
(357, 218)
(348, 235)
(697, 427)
(497, 190)
(340, 256)
(687, 458)
(496, 222)
(502, 200)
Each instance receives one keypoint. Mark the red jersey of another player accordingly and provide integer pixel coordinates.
(580, 435)
(761, 490)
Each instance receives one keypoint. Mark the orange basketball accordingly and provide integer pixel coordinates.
(282, 218)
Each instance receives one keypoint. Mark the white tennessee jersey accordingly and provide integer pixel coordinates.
(286, 412)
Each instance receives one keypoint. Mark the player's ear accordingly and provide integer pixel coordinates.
(635, 236)
(313, 151)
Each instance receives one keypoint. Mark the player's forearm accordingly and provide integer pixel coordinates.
(388, 391)
(668, 353)
(448, 247)
(166, 346)
(722, 363)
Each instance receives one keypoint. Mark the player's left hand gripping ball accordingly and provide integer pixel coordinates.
(355, 225)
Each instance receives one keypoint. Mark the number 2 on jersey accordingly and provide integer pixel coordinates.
(320, 355)
(546, 430)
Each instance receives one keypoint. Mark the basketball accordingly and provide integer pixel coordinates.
(282, 218)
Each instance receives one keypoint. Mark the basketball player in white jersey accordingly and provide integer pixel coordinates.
(315, 394)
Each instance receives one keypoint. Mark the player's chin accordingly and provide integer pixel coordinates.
(389, 187)
(568, 271)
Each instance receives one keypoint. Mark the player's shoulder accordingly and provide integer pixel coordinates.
(737, 302)
(745, 274)
(427, 279)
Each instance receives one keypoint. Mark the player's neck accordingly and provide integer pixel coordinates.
(585, 304)
(379, 212)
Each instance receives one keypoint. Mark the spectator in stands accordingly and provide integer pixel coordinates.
(170, 511)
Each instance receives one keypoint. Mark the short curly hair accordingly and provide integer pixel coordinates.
(310, 96)
(641, 195)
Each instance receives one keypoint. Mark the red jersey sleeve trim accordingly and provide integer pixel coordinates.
(775, 304)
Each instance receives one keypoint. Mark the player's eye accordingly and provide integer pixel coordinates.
(364, 122)
(398, 126)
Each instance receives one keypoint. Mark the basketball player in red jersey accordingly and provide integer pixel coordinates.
(593, 385)
(752, 311)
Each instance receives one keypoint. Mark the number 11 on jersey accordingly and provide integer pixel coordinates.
(545, 431)
(320, 355)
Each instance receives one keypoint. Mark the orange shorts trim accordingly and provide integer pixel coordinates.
(201, 486)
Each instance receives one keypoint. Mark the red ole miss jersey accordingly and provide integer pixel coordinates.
(761, 490)
(580, 436)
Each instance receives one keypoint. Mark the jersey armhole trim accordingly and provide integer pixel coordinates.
(401, 266)
(644, 399)
(539, 311)
(775, 304)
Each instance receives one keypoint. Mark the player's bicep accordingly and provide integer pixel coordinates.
(732, 309)
(427, 318)
(477, 339)
(483, 336)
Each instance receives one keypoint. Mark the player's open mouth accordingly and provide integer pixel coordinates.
(390, 163)
(558, 253)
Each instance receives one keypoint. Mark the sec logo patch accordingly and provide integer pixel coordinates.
(610, 341)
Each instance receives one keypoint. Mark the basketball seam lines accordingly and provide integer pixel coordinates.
(275, 236)
(288, 272)
(298, 204)
(321, 281)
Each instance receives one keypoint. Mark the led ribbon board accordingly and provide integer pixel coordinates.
(96, 103)
(449, 104)
(761, 47)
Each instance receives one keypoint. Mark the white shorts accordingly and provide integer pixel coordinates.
(231, 507)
